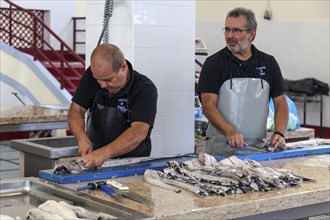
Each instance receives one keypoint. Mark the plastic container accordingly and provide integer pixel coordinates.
(198, 108)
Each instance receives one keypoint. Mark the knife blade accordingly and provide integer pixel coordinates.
(253, 148)
(126, 192)
(246, 146)
(136, 197)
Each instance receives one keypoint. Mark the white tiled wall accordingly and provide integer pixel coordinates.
(158, 38)
(120, 26)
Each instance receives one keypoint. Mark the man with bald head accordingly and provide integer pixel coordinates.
(121, 106)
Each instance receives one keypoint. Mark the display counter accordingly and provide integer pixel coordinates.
(290, 203)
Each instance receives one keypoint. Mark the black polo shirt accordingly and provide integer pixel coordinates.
(139, 96)
(222, 66)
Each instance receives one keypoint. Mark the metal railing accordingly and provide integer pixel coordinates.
(76, 30)
(23, 29)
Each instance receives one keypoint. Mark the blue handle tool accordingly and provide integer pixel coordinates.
(111, 192)
(102, 185)
(92, 185)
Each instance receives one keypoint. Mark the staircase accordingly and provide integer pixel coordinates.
(25, 30)
(53, 65)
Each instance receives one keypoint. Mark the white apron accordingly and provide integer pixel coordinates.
(245, 107)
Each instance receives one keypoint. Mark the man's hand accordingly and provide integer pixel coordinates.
(235, 139)
(278, 140)
(76, 122)
(281, 120)
(85, 146)
(95, 158)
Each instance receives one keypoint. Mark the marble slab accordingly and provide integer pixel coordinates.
(32, 114)
(186, 205)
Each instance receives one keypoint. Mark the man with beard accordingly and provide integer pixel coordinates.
(120, 104)
(235, 87)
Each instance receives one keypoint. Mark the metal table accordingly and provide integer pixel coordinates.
(304, 98)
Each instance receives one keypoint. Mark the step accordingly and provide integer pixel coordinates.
(51, 54)
(57, 64)
(67, 73)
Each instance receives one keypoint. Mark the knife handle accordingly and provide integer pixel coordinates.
(92, 185)
(117, 185)
(83, 188)
(112, 192)
(107, 190)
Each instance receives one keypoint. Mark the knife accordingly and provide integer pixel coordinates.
(246, 146)
(253, 148)
(112, 193)
(126, 192)
(102, 185)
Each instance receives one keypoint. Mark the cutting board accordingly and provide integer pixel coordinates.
(160, 164)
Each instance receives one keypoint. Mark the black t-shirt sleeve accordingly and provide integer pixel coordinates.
(86, 91)
(144, 105)
(210, 77)
(278, 83)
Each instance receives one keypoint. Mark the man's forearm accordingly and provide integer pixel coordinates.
(76, 120)
(214, 116)
(218, 121)
(281, 115)
(127, 141)
(76, 126)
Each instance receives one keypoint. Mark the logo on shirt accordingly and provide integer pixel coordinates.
(99, 106)
(123, 108)
(123, 105)
(261, 70)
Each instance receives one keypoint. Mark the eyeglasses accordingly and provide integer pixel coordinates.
(235, 31)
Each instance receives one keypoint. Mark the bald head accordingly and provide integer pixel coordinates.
(110, 54)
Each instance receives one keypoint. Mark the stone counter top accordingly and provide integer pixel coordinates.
(32, 114)
(186, 205)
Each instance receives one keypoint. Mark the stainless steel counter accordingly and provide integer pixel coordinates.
(19, 195)
(43, 153)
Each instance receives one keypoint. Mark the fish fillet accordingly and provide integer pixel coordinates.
(152, 177)
(206, 176)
